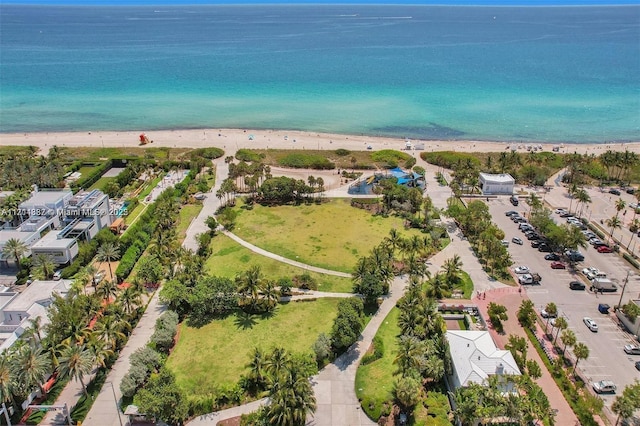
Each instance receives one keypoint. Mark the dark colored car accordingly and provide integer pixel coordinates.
(514, 200)
(614, 192)
(535, 243)
(631, 191)
(552, 256)
(532, 236)
(576, 285)
(511, 213)
(638, 365)
(558, 265)
(566, 214)
(544, 248)
(574, 256)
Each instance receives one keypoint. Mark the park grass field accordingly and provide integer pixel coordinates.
(186, 215)
(332, 235)
(217, 353)
(101, 183)
(229, 258)
(375, 381)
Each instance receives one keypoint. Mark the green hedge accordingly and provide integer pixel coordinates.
(301, 160)
(390, 158)
(92, 177)
(448, 159)
(210, 153)
(249, 155)
(631, 260)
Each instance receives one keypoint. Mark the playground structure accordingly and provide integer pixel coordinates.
(365, 185)
(144, 139)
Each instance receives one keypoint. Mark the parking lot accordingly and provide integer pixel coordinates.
(607, 360)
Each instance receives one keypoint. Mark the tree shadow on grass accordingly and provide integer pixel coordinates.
(245, 320)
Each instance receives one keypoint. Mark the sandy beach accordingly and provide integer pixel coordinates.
(233, 139)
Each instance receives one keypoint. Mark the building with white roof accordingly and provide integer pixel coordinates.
(475, 357)
(16, 309)
(497, 184)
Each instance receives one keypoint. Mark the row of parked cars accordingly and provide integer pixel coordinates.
(591, 236)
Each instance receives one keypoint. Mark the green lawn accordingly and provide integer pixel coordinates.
(332, 235)
(131, 217)
(100, 183)
(229, 258)
(217, 353)
(186, 215)
(146, 191)
(374, 381)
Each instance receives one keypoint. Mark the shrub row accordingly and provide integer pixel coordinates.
(131, 256)
(249, 156)
(299, 160)
(209, 153)
(390, 158)
(166, 328)
(92, 177)
(631, 260)
(448, 159)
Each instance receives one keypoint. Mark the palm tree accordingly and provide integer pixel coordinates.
(44, 266)
(108, 252)
(130, 299)
(437, 286)
(583, 197)
(291, 399)
(613, 223)
(394, 239)
(561, 324)
(277, 362)
(568, 337)
(269, 295)
(110, 331)
(452, 268)
(552, 310)
(35, 328)
(107, 290)
(258, 367)
(249, 284)
(411, 356)
(15, 248)
(581, 351)
(7, 379)
(32, 366)
(100, 350)
(76, 362)
(620, 205)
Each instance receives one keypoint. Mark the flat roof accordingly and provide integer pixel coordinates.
(46, 197)
(37, 291)
(51, 241)
(7, 234)
(502, 177)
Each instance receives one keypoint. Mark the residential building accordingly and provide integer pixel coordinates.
(497, 184)
(475, 358)
(16, 309)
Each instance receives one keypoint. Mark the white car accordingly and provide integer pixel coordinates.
(521, 270)
(516, 240)
(560, 211)
(591, 324)
(633, 206)
(545, 314)
(590, 270)
(604, 386)
(632, 349)
(525, 279)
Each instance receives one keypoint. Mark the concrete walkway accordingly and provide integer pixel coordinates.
(282, 259)
(229, 413)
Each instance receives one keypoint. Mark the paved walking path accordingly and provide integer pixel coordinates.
(282, 259)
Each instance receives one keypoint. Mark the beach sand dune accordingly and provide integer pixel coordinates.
(233, 139)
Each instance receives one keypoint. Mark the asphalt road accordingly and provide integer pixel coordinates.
(607, 360)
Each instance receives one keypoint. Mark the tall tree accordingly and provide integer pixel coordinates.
(16, 249)
(76, 362)
(8, 377)
(32, 366)
(568, 338)
(581, 351)
(108, 252)
(44, 266)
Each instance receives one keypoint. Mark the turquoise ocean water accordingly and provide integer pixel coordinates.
(566, 74)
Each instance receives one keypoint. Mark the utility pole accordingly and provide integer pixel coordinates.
(624, 286)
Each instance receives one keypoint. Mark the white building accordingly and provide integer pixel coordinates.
(500, 184)
(16, 309)
(52, 223)
(475, 357)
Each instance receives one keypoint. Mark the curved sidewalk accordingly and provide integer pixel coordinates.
(282, 259)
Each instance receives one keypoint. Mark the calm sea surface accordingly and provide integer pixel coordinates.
(569, 74)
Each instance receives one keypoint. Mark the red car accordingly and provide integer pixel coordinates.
(558, 265)
(604, 249)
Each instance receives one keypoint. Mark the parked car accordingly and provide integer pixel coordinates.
(57, 275)
(516, 240)
(525, 279)
(632, 349)
(574, 255)
(576, 285)
(536, 243)
(591, 324)
(545, 314)
(560, 211)
(552, 256)
(604, 249)
(521, 270)
(514, 200)
(544, 248)
(614, 191)
(505, 243)
(566, 214)
(533, 237)
(511, 213)
(558, 265)
(638, 365)
(590, 271)
(631, 191)
(604, 386)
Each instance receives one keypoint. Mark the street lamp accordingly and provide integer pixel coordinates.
(624, 286)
